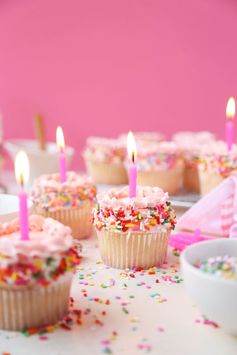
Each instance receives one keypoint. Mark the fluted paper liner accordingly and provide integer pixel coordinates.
(105, 173)
(168, 180)
(209, 180)
(133, 249)
(34, 306)
(77, 218)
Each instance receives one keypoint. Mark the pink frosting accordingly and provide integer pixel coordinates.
(46, 237)
(49, 183)
(103, 142)
(143, 137)
(146, 197)
(157, 148)
(218, 148)
(107, 150)
(192, 140)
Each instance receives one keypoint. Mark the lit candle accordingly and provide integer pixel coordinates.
(132, 151)
(62, 158)
(230, 114)
(22, 175)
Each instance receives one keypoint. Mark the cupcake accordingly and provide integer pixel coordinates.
(35, 274)
(133, 232)
(70, 202)
(104, 159)
(160, 165)
(215, 163)
(190, 144)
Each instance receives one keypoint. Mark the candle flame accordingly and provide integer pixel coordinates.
(22, 168)
(131, 146)
(230, 108)
(60, 138)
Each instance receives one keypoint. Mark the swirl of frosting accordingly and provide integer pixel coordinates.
(106, 150)
(146, 197)
(46, 237)
(185, 139)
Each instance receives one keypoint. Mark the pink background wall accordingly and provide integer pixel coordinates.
(103, 67)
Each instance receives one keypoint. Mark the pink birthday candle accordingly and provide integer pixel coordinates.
(230, 114)
(62, 157)
(131, 145)
(22, 175)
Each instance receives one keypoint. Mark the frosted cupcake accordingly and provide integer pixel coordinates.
(190, 144)
(215, 164)
(133, 232)
(160, 165)
(70, 202)
(104, 159)
(36, 274)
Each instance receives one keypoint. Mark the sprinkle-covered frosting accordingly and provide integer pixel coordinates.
(49, 193)
(216, 157)
(223, 267)
(160, 156)
(148, 211)
(190, 140)
(190, 144)
(106, 150)
(48, 254)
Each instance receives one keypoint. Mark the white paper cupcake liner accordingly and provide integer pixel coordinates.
(133, 249)
(34, 306)
(105, 173)
(77, 218)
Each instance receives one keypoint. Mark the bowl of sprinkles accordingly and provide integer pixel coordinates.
(210, 275)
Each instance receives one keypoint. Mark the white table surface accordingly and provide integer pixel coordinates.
(161, 319)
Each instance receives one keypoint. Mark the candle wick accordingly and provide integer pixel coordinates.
(21, 181)
(133, 158)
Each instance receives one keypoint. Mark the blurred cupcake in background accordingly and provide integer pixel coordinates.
(160, 165)
(70, 202)
(215, 163)
(104, 160)
(190, 143)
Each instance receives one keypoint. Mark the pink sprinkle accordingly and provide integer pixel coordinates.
(161, 329)
(43, 337)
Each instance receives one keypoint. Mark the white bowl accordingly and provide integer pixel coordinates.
(41, 162)
(216, 297)
(9, 207)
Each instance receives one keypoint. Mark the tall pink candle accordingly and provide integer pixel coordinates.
(132, 173)
(132, 179)
(22, 175)
(62, 157)
(62, 167)
(229, 133)
(229, 126)
(23, 211)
